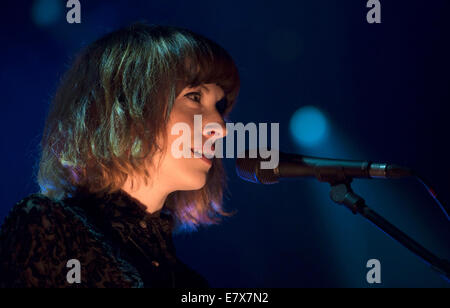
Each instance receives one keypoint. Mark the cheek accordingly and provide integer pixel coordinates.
(178, 117)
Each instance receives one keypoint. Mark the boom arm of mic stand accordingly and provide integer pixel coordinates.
(342, 193)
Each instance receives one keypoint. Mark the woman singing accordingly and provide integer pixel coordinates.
(111, 190)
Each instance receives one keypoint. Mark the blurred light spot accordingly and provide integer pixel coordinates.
(308, 126)
(47, 12)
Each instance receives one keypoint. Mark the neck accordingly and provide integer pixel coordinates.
(152, 196)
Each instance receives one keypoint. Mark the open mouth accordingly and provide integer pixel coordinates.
(203, 157)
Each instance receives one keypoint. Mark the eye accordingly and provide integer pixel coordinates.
(195, 96)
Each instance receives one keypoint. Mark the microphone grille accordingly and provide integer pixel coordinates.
(249, 169)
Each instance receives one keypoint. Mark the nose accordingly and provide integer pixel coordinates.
(215, 129)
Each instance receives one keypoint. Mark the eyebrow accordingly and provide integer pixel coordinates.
(204, 87)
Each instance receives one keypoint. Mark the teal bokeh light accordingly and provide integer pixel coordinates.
(308, 126)
(47, 12)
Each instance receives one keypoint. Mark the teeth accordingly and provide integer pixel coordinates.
(201, 153)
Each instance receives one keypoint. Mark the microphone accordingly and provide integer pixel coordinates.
(324, 169)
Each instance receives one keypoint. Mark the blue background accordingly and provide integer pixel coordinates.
(382, 88)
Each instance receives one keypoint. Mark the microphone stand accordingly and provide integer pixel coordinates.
(342, 193)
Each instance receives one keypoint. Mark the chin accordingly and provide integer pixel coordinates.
(195, 183)
(197, 186)
(189, 178)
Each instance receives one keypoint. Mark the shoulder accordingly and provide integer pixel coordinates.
(34, 214)
(40, 236)
(39, 217)
(33, 209)
(32, 242)
(24, 238)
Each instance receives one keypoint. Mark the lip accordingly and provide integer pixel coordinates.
(203, 158)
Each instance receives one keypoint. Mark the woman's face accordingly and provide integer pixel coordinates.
(190, 173)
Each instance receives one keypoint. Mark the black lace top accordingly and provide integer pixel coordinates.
(116, 241)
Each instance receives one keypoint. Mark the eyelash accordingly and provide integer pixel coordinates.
(195, 93)
(219, 106)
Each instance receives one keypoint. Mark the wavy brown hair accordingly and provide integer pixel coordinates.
(116, 99)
